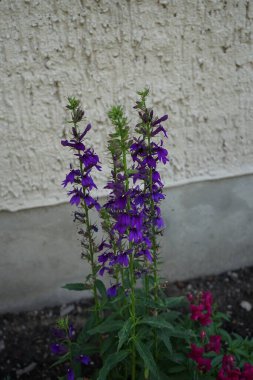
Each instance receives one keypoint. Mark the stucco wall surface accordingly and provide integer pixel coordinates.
(208, 230)
(196, 56)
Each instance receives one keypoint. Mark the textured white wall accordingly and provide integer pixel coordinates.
(196, 56)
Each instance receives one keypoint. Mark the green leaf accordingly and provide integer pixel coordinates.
(124, 333)
(173, 302)
(62, 359)
(148, 359)
(101, 288)
(242, 353)
(217, 360)
(106, 326)
(156, 322)
(181, 376)
(224, 316)
(178, 358)
(106, 345)
(225, 335)
(165, 338)
(77, 286)
(176, 369)
(110, 362)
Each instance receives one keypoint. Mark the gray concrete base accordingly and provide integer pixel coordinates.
(209, 230)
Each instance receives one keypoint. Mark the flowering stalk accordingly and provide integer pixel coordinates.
(82, 184)
(122, 140)
(146, 154)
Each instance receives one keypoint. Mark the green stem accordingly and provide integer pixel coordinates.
(93, 266)
(132, 284)
(154, 243)
(153, 239)
(91, 250)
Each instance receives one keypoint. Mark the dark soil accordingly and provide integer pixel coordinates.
(25, 337)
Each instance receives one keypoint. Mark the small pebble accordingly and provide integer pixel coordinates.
(79, 309)
(66, 310)
(2, 345)
(246, 305)
(27, 369)
(233, 274)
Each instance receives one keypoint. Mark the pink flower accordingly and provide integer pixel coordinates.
(228, 362)
(204, 364)
(247, 373)
(233, 374)
(203, 310)
(202, 335)
(190, 297)
(214, 344)
(196, 352)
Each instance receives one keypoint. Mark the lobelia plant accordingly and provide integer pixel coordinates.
(134, 330)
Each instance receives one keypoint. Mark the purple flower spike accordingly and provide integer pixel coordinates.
(70, 374)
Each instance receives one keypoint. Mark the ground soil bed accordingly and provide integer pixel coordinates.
(25, 337)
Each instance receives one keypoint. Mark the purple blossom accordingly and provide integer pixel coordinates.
(91, 202)
(150, 161)
(158, 121)
(70, 374)
(70, 177)
(84, 359)
(161, 154)
(58, 333)
(158, 130)
(89, 159)
(71, 331)
(135, 235)
(123, 222)
(136, 221)
(76, 198)
(112, 291)
(85, 131)
(73, 144)
(121, 202)
(103, 245)
(102, 270)
(87, 181)
(146, 253)
(58, 349)
(123, 259)
(159, 223)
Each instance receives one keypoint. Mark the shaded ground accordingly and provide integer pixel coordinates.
(25, 337)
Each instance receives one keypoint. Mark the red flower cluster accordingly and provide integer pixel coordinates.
(196, 354)
(201, 308)
(229, 372)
